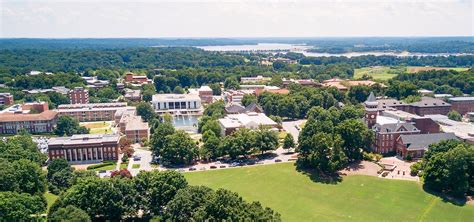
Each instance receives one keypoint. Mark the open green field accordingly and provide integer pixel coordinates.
(415, 69)
(357, 198)
(379, 72)
(98, 127)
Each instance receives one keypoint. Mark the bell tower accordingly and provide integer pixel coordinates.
(371, 110)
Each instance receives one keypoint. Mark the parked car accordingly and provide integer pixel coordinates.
(213, 167)
(192, 169)
(278, 160)
(222, 166)
(202, 168)
(102, 171)
(136, 158)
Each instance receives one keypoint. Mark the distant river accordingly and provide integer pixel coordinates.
(277, 47)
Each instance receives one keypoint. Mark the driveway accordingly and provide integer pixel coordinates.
(290, 127)
(145, 160)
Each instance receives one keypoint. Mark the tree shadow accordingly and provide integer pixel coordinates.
(320, 177)
(458, 201)
(266, 156)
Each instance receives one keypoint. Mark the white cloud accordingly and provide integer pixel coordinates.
(147, 18)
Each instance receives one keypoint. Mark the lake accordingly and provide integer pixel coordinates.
(280, 47)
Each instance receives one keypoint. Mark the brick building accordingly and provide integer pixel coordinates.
(205, 93)
(91, 111)
(386, 135)
(462, 105)
(79, 95)
(6, 99)
(415, 146)
(131, 78)
(17, 117)
(428, 106)
(132, 126)
(87, 147)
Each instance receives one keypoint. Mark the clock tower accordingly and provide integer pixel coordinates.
(371, 110)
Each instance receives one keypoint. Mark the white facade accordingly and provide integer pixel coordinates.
(177, 103)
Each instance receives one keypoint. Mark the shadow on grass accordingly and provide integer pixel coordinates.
(320, 177)
(458, 201)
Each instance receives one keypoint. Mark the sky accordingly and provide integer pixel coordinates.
(233, 18)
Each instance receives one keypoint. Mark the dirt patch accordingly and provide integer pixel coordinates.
(361, 168)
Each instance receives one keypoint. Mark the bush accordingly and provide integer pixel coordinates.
(107, 163)
(125, 158)
(416, 168)
(372, 156)
(409, 158)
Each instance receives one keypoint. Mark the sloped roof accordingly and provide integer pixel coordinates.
(234, 108)
(253, 107)
(422, 141)
(429, 102)
(396, 127)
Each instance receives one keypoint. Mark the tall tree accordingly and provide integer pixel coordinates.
(69, 213)
(266, 139)
(288, 142)
(356, 137)
(20, 206)
(146, 111)
(248, 99)
(67, 125)
(179, 148)
(158, 138)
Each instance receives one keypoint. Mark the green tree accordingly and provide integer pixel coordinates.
(158, 138)
(248, 99)
(108, 199)
(231, 83)
(276, 81)
(29, 177)
(179, 148)
(288, 142)
(147, 95)
(157, 188)
(188, 204)
(60, 175)
(69, 214)
(358, 94)
(178, 90)
(211, 148)
(20, 206)
(21, 147)
(356, 137)
(265, 139)
(67, 125)
(453, 115)
(146, 111)
(211, 125)
(216, 89)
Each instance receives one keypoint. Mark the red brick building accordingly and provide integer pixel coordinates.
(205, 93)
(131, 78)
(19, 117)
(415, 146)
(462, 105)
(428, 106)
(91, 111)
(371, 110)
(87, 147)
(6, 99)
(132, 126)
(79, 95)
(386, 135)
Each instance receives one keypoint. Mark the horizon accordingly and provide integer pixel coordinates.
(52, 19)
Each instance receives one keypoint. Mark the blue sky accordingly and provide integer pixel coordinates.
(232, 18)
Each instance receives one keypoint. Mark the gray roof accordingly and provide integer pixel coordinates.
(253, 107)
(234, 108)
(395, 127)
(429, 102)
(467, 98)
(422, 141)
(371, 100)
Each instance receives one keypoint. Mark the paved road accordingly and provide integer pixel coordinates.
(145, 160)
(290, 127)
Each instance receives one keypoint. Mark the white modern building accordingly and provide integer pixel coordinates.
(251, 120)
(177, 104)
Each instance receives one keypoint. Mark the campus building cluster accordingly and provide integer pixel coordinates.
(407, 130)
(32, 117)
(88, 147)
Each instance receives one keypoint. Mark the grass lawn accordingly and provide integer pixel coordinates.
(415, 69)
(50, 198)
(358, 198)
(98, 127)
(135, 166)
(124, 166)
(379, 72)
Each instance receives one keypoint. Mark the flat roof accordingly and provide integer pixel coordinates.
(466, 98)
(243, 119)
(175, 97)
(91, 105)
(84, 139)
(461, 129)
